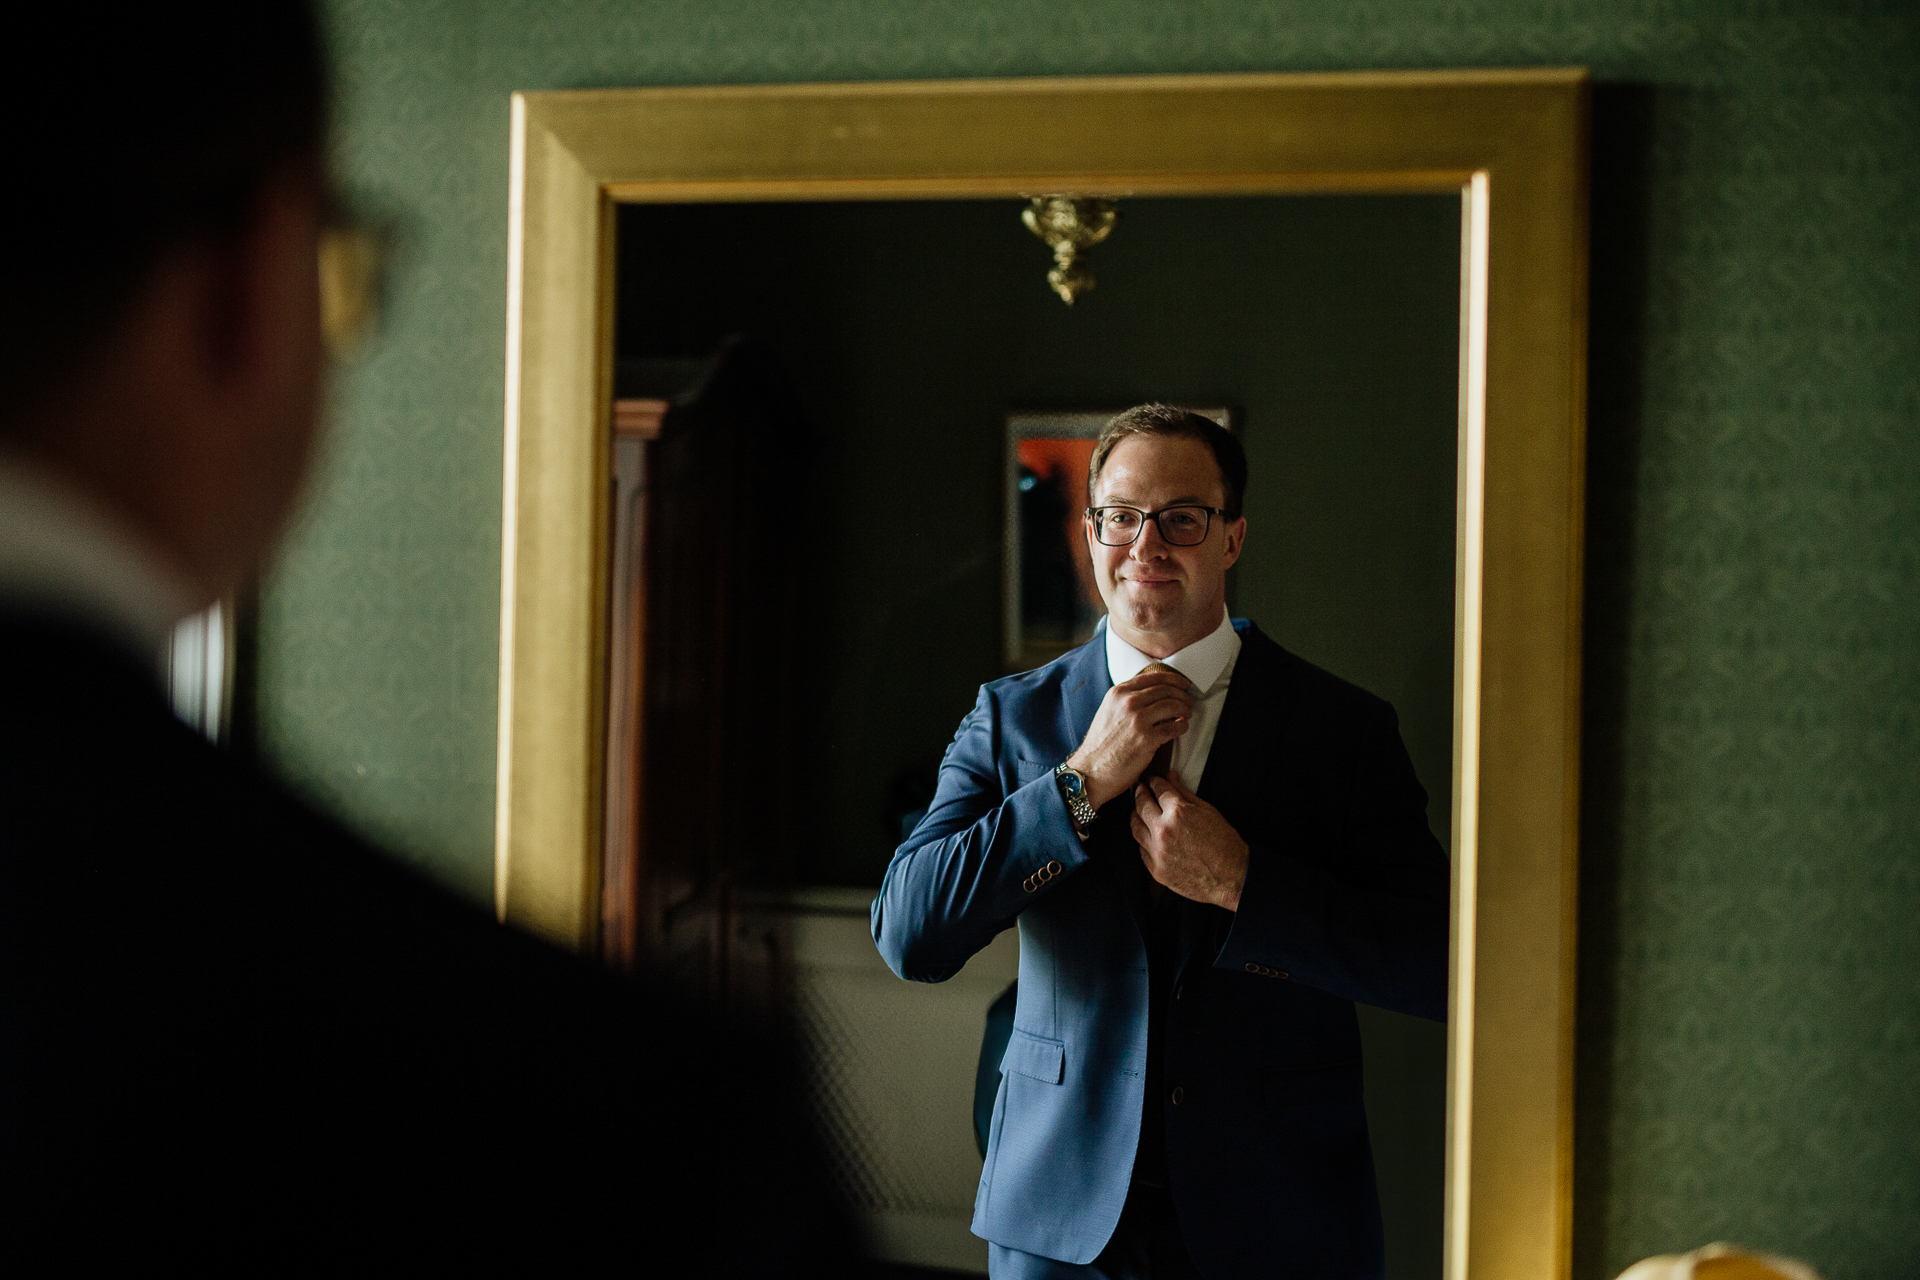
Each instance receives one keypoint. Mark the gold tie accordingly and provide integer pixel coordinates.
(1161, 766)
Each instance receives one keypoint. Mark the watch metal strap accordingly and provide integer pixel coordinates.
(1079, 808)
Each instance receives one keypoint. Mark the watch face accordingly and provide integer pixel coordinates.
(1072, 783)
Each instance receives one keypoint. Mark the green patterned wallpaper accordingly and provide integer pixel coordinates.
(1750, 970)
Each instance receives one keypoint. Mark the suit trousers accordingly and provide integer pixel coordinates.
(1146, 1245)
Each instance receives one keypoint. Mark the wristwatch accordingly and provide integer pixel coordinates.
(1073, 789)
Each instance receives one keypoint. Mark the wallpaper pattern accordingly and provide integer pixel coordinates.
(1751, 954)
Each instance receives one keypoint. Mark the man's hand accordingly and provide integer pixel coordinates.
(1134, 719)
(1187, 844)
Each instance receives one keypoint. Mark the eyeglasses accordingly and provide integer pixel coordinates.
(1181, 526)
(355, 253)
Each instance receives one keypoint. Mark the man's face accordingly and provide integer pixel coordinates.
(1159, 597)
(221, 350)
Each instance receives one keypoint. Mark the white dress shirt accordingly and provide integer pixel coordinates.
(61, 552)
(1208, 664)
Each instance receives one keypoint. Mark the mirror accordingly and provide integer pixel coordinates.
(1481, 657)
(925, 362)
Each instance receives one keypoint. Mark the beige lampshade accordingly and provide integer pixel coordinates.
(1719, 1262)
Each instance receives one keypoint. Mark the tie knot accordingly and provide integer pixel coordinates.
(1153, 667)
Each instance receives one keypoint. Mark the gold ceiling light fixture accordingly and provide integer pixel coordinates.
(1070, 225)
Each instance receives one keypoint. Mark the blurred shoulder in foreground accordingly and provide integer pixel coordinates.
(217, 1007)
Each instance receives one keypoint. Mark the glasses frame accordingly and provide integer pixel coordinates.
(356, 264)
(1093, 514)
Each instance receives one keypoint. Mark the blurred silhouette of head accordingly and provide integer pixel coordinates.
(159, 337)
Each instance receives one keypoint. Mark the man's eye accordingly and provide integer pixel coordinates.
(1122, 519)
(1182, 519)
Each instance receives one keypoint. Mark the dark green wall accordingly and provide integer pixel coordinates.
(1750, 969)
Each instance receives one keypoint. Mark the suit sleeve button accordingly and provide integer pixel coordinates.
(1178, 1093)
(1280, 973)
(1054, 868)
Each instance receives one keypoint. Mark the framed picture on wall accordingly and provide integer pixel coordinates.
(1050, 602)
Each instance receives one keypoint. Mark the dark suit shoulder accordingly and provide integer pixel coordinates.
(193, 865)
(1312, 689)
(212, 992)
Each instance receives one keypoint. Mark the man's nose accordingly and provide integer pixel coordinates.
(1149, 544)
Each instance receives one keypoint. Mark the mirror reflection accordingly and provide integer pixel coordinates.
(814, 571)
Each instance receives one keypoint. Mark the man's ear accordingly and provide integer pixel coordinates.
(1236, 539)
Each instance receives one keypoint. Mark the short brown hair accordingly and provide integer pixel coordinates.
(1169, 420)
(150, 127)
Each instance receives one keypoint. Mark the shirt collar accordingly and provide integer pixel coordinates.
(62, 552)
(1200, 662)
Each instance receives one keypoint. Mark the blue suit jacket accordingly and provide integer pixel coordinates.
(1345, 900)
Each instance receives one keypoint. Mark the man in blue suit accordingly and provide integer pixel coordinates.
(1212, 849)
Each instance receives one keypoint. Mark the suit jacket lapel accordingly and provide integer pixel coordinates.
(1085, 684)
(1236, 777)
(1083, 687)
(1255, 700)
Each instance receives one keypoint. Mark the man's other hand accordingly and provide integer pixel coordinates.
(1154, 707)
(1187, 844)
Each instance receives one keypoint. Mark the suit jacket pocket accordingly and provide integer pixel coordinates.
(1035, 1057)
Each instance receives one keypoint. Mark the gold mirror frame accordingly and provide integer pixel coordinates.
(1512, 143)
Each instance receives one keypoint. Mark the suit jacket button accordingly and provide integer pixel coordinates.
(1280, 974)
(1252, 967)
(1178, 1093)
(1053, 868)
